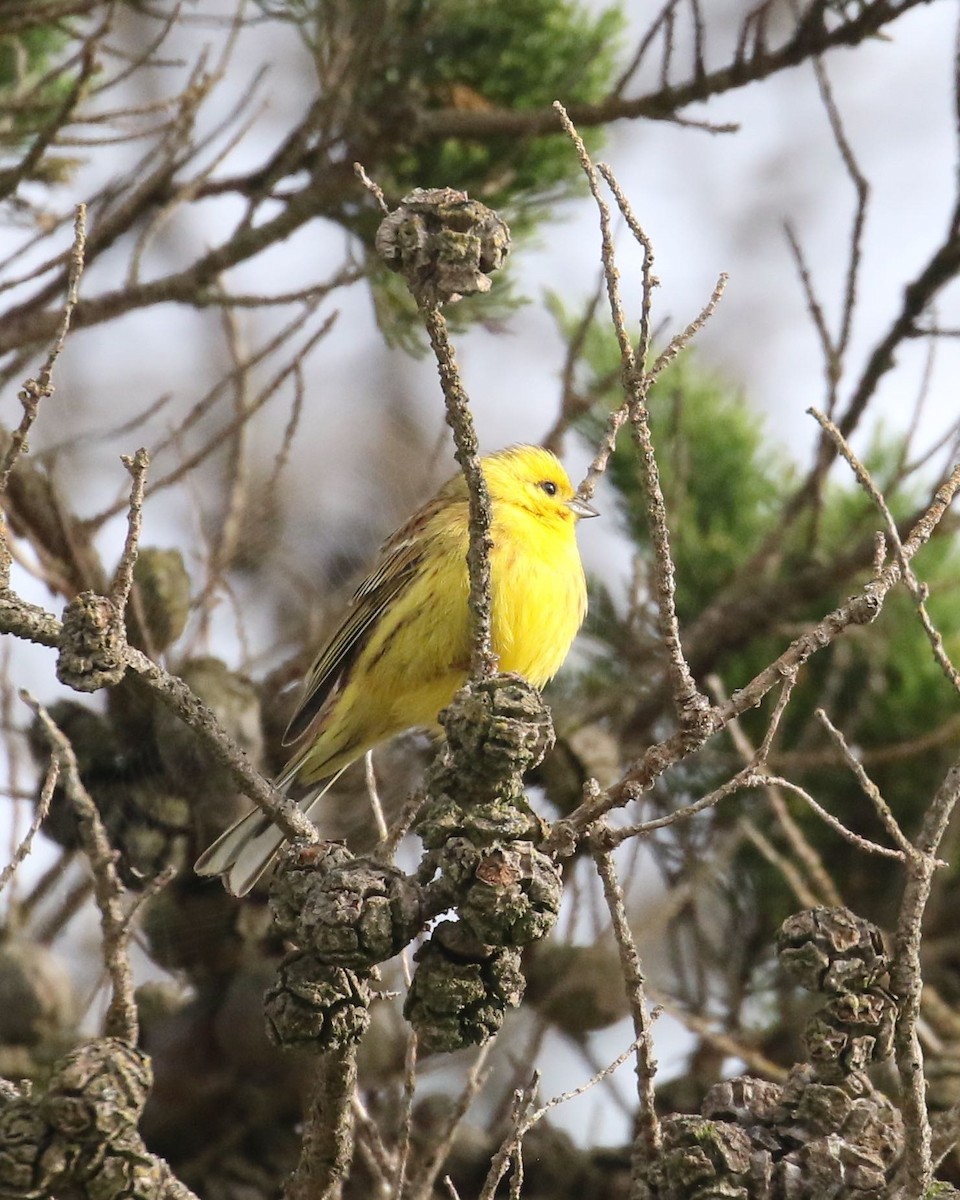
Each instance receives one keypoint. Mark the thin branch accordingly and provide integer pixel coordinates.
(906, 983)
(572, 405)
(524, 1115)
(216, 440)
(375, 190)
(377, 1157)
(27, 324)
(862, 189)
(867, 786)
(121, 1019)
(429, 1162)
(409, 1094)
(647, 1144)
(663, 104)
(728, 1044)
(483, 662)
(123, 579)
(41, 386)
(862, 843)
(52, 131)
(611, 278)
(690, 703)
(39, 816)
(860, 609)
(749, 777)
(783, 863)
(523, 1106)
(682, 339)
(917, 590)
(373, 795)
(174, 693)
(799, 844)
(46, 931)
(47, 882)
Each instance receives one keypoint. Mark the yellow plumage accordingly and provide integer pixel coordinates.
(403, 648)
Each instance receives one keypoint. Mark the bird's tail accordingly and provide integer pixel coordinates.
(242, 853)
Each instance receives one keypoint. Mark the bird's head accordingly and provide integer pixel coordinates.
(533, 478)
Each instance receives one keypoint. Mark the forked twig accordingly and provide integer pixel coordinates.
(636, 379)
(858, 610)
(868, 787)
(917, 590)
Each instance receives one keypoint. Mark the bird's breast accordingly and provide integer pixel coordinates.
(539, 601)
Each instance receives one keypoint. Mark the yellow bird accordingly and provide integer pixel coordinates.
(403, 647)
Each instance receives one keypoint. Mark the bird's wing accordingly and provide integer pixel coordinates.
(397, 566)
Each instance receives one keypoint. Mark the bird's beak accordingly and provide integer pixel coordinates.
(581, 507)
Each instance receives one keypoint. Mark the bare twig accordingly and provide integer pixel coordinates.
(906, 982)
(123, 579)
(749, 777)
(868, 787)
(289, 433)
(860, 609)
(121, 1019)
(44, 885)
(402, 823)
(40, 387)
(784, 864)
(647, 1144)
(39, 816)
(683, 338)
(46, 931)
(522, 1108)
(668, 99)
(215, 441)
(730, 1045)
(917, 590)
(800, 845)
(422, 1177)
(525, 1114)
(691, 704)
(406, 1112)
(373, 795)
(379, 1160)
(175, 694)
(571, 404)
(862, 843)
(483, 662)
(611, 278)
(375, 190)
(238, 468)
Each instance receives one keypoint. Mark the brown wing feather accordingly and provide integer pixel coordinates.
(397, 565)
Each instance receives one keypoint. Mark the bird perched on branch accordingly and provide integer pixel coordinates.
(403, 647)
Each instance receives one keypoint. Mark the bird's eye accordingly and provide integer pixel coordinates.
(549, 487)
